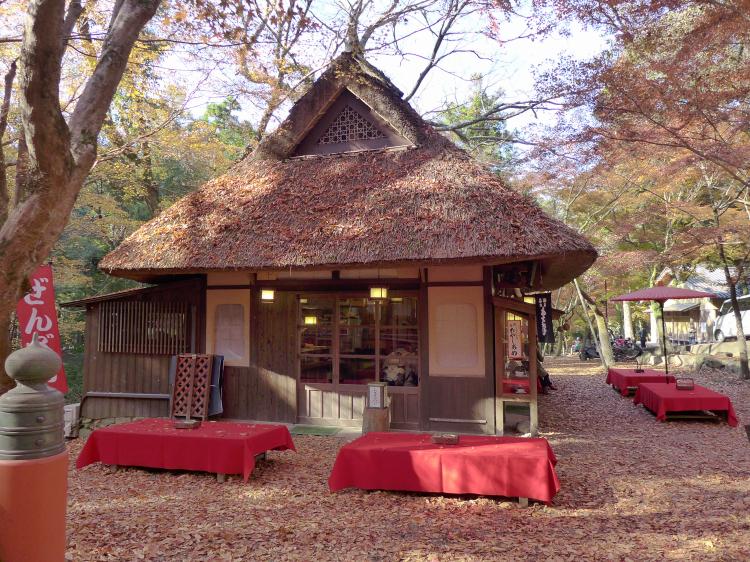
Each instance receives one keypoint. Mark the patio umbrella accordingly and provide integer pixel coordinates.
(661, 294)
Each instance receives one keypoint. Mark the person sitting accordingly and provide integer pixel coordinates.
(542, 373)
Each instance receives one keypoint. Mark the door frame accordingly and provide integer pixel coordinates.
(502, 305)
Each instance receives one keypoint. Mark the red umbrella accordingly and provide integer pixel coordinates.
(661, 294)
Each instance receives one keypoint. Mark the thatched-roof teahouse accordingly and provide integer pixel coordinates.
(355, 244)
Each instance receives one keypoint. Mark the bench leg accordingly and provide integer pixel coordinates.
(261, 456)
(523, 502)
(221, 477)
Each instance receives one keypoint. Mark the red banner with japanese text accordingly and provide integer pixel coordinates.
(37, 314)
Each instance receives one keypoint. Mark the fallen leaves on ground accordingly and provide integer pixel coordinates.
(632, 488)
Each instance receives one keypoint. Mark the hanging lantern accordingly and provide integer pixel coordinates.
(311, 320)
(266, 295)
(303, 301)
(379, 293)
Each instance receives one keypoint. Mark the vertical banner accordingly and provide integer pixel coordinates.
(544, 330)
(515, 346)
(37, 314)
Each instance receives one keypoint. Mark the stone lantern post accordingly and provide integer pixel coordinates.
(33, 460)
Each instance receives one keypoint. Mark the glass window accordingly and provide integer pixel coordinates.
(356, 371)
(316, 339)
(229, 336)
(357, 312)
(357, 340)
(398, 340)
(363, 342)
(400, 311)
(516, 379)
(319, 308)
(316, 369)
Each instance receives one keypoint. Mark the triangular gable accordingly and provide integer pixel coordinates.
(349, 125)
(348, 80)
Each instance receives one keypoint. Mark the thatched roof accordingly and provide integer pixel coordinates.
(429, 202)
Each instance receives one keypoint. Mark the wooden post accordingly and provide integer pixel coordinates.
(375, 419)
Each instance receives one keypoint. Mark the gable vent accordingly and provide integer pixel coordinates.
(349, 126)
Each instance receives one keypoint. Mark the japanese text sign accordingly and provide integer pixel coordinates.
(515, 349)
(37, 314)
(545, 331)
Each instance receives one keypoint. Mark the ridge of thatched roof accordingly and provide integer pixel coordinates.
(347, 72)
(428, 203)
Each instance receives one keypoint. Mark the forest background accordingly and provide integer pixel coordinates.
(632, 128)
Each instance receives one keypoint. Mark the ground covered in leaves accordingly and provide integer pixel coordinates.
(632, 488)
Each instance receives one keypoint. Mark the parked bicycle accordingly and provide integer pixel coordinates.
(623, 349)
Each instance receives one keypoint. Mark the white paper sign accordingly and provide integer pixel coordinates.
(515, 349)
(375, 397)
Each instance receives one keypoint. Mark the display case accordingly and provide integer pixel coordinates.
(515, 366)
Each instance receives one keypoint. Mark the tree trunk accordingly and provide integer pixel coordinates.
(60, 154)
(627, 321)
(606, 346)
(603, 345)
(559, 345)
(656, 325)
(6, 383)
(741, 342)
(150, 187)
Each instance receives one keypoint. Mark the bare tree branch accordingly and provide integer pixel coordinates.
(93, 104)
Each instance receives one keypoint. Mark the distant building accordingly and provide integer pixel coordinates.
(690, 321)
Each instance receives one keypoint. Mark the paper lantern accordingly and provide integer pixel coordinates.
(311, 320)
(266, 295)
(379, 293)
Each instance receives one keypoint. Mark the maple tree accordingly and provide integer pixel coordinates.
(59, 151)
(658, 166)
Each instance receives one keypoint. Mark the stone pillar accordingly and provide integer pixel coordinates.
(33, 460)
(627, 322)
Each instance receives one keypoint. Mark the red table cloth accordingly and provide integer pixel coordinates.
(216, 446)
(485, 465)
(663, 398)
(622, 379)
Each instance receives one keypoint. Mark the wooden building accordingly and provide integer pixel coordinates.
(354, 244)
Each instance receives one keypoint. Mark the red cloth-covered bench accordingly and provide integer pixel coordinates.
(485, 465)
(626, 379)
(216, 446)
(663, 399)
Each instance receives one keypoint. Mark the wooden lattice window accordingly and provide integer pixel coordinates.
(349, 126)
(152, 328)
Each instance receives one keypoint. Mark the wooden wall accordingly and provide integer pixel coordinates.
(267, 389)
(134, 372)
(459, 404)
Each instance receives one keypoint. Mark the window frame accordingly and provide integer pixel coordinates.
(335, 355)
